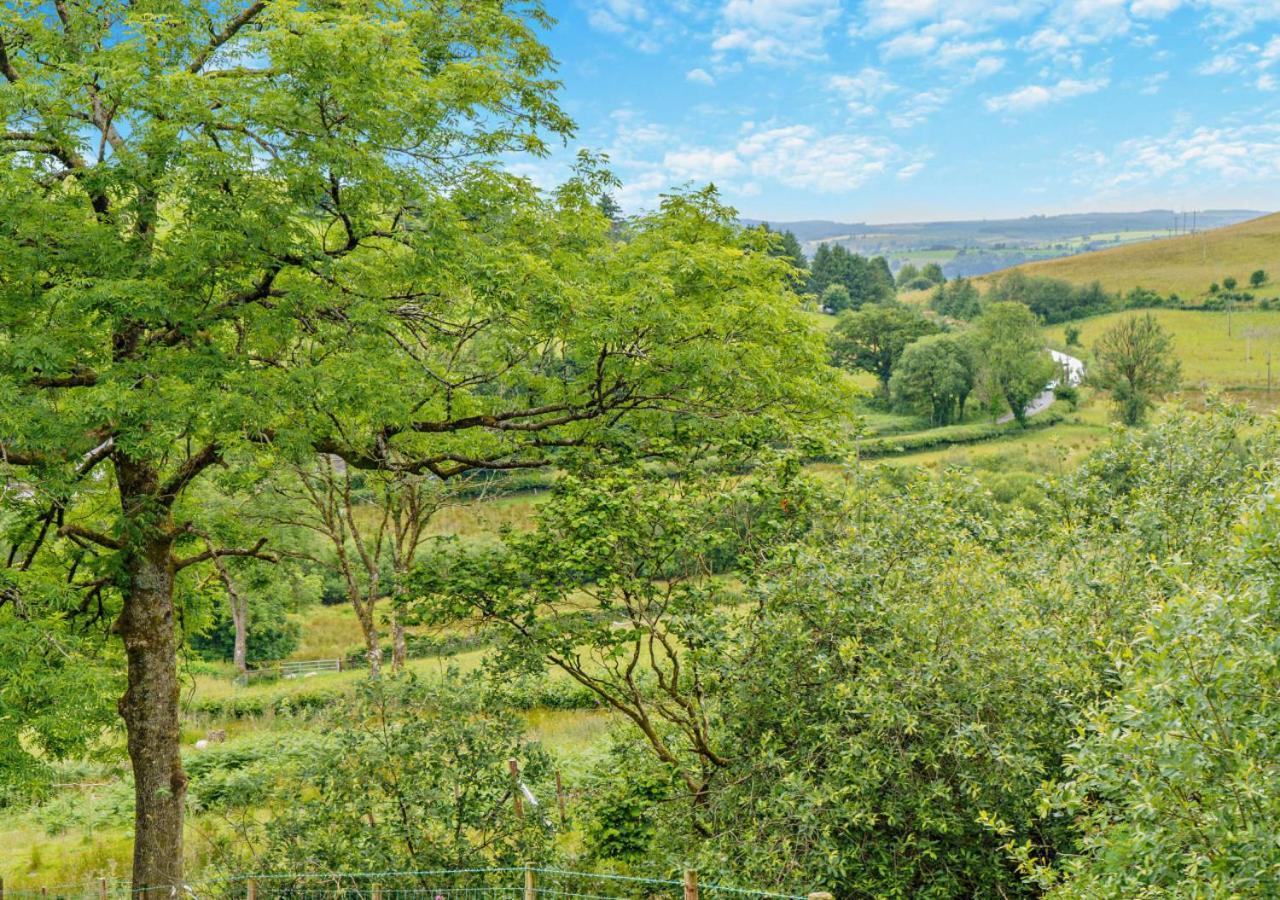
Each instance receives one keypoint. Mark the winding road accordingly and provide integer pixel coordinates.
(1072, 369)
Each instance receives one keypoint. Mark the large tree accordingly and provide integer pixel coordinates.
(873, 338)
(867, 280)
(1015, 366)
(1135, 362)
(245, 230)
(936, 373)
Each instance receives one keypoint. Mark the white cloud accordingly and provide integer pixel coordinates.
(918, 108)
(1034, 96)
(799, 157)
(700, 76)
(911, 171)
(702, 164)
(1154, 9)
(1244, 58)
(862, 91)
(775, 31)
(1227, 154)
(1151, 84)
(987, 66)
(641, 24)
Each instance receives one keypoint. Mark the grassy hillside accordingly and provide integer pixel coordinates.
(1184, 265)
(1216, 349)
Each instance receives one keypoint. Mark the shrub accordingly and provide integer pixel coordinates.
(955, 434)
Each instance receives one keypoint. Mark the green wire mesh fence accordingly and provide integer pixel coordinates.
(452, 884)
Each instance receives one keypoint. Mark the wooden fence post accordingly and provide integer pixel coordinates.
(559, 799)
(251, 889)
(1, 888)
(102, 889)
(514, 768)
(821, 895)
(530, 889)
(377, 892)
(690, 884)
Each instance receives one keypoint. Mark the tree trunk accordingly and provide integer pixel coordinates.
(149, 708)
(399, 648)
(374, 649)
(240, 620)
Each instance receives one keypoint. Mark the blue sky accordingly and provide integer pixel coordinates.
(906, 110)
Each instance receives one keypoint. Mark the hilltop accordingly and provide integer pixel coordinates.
(1185, 265)
(976, 247)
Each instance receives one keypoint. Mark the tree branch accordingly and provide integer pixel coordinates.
(189, 470)
(254, 552)
(227, 33)
(88, 534)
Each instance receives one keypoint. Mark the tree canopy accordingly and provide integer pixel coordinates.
(873, 339)
(1134, 361)
(1015, 365)
(866, 280)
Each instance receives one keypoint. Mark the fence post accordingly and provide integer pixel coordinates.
(377, 892)
(690, 884)
(530, 890)
(1, 888)
(514, 768)
(559, 799)
(821, 895)
(250, 889)
(102, 889)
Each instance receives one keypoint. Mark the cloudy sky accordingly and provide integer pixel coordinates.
(902, 110)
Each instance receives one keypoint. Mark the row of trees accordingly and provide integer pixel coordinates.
(1001, 357)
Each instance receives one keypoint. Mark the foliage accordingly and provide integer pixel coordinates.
(635, 556)
(240, 233)
(957, 299)
(937, 373)
(933, 272)
(1051, 299)
(874, 338)
(412, 777)
(786, 246)
(907, 274)
(948, 435)
(866, 280)
(272, 634)
(1015, 367)
(836, 299)
(1258, 278)
(621, 818)
(1135, 361)
(1071, 335)
(917, 658)
(1172, 781)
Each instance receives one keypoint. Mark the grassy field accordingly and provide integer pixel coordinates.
(1216, 349)
(1185, 265)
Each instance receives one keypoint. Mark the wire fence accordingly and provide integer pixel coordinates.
(524, 883)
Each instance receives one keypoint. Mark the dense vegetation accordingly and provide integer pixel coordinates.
(269, 310)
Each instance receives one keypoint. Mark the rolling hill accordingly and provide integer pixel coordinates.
(1185, 265)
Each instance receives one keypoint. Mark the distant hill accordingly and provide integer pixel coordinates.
(1184, 265)
(983, 232)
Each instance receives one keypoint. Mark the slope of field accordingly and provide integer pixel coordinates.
(1185, 265)
(1229, 351)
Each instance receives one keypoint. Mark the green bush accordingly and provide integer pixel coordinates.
(1173, 784)
(957, 434)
